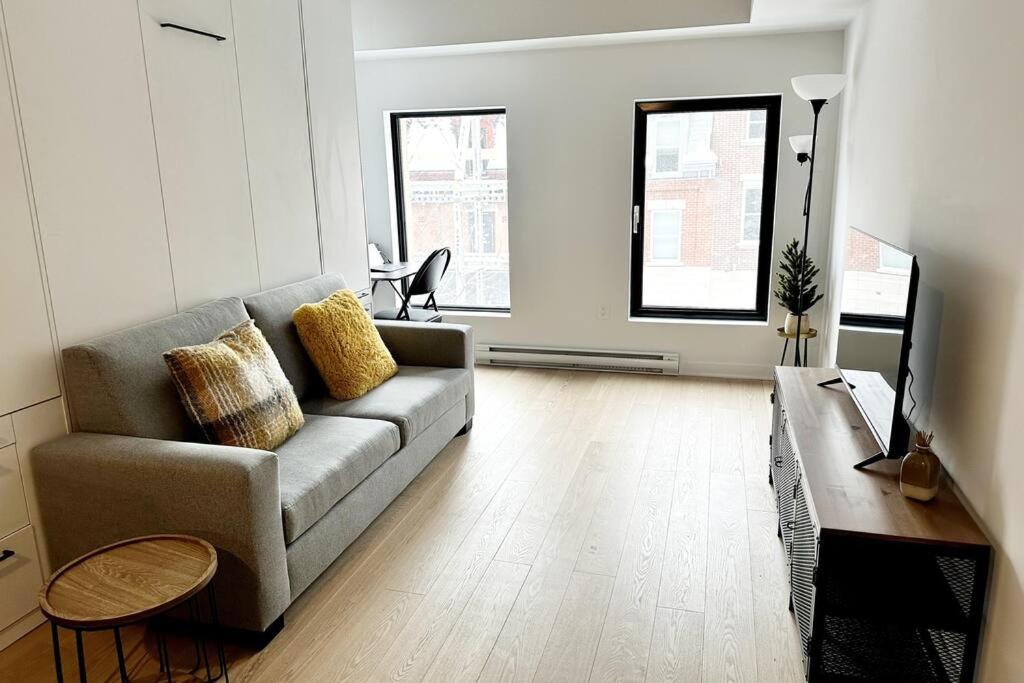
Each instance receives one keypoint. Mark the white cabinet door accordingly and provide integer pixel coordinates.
(13, 513)
(28, 372)
(34, 426)
(268, 46)
(20, 578)
(81, 84)
(330, 74)
(197, 117)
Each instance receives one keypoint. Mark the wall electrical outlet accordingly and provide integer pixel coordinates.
(602, 312)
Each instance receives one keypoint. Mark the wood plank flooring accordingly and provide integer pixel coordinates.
(592, 526)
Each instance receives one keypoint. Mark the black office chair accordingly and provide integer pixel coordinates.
(425, 282)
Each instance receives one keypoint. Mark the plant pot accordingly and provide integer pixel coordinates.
(790, 326)
(919, 474)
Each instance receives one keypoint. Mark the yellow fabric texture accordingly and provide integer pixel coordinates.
(344, 344)
(234, 390)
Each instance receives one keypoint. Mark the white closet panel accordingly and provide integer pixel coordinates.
(330, 74)
(28, 373)
(81, 85)
(268, 47)
(34, 426)
(197, 118)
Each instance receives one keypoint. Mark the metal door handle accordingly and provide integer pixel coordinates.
(196, 31)
(636, 220)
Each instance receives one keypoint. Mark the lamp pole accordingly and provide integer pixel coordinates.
(816, 105)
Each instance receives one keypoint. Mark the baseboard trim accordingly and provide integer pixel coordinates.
(725, 370)
(20, 628)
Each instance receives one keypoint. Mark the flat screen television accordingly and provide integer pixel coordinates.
(879, 296)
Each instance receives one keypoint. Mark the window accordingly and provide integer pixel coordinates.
(451, 190)
(751, 227)
(876, 282)
(681, 145)
(757, 121)
(666, 229)
(713, 259)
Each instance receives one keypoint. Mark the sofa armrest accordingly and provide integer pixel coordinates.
(442, 345)
(95, 489)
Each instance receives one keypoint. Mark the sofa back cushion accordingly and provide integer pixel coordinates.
(119, 383)
(272, 311)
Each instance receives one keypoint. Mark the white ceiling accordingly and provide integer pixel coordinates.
(804, 13)
(391, 24)
(395, 28)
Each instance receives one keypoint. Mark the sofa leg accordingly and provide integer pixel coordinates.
(465, 429)
(249, 640)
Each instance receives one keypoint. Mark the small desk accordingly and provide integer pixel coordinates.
(398, 275)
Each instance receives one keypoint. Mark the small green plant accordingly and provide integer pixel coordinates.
(787, 291)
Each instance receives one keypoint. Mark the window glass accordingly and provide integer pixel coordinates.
(756, 122)
(665, 229)
(714, 261)
(751, 212)
(453, 192)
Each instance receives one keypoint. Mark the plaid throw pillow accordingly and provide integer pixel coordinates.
(233, 388)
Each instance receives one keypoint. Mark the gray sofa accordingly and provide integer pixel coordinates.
(135, 465)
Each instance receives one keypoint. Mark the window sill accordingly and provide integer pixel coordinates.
(866, 328)
(698, 321)
(461, 313)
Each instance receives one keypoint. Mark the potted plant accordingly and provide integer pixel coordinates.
(788, 291)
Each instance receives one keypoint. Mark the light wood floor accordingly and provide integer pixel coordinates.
(591, 527)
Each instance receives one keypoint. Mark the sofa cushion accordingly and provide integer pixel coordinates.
(325, 460)
(338, 334)
(272, 311)
(119, 384)
(413, 399)
(234, 390)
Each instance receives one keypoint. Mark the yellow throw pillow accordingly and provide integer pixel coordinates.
(344, 344)
(233, 388)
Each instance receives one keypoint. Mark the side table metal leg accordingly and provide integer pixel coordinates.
(56, 653)
(81, 656)
(120, 655)
(163, 654)
(785, 347)
(198, 639)
(216, 625)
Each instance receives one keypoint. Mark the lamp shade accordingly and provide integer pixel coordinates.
(801, 144)
(819, 86)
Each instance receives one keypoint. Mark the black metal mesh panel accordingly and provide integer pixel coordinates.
(959, 575)
(912, 624)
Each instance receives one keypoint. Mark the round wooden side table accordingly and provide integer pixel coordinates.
(805, 335)
(128, 582)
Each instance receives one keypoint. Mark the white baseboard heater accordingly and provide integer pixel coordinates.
(645, 362)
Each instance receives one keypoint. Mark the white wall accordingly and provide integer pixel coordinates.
(932, 154)
(413, 23)
(570, 120)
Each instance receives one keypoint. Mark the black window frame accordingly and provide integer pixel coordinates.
(878, 322)
(772, 104)
(395, 121)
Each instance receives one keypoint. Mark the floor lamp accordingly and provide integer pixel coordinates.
(817, 89)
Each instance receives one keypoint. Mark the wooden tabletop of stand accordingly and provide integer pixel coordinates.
(128, 581)
(831, 436)
(804, 334)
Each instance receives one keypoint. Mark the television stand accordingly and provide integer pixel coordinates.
(882, 587)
